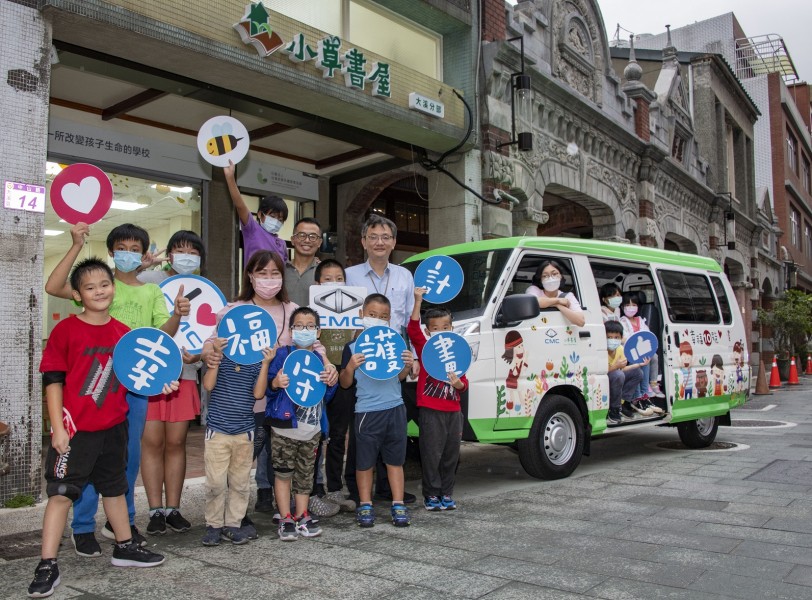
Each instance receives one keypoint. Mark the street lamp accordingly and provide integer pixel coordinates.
(521, 106)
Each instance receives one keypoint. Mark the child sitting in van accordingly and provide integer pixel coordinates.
(440, 415)
(611, 298)
(633, 323)
(624, 378)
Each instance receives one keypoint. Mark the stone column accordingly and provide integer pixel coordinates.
(25, 71)
(454, 213)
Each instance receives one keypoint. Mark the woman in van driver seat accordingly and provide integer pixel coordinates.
(546, 287)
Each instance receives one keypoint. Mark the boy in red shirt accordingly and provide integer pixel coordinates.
(440, 418)
(88, 412)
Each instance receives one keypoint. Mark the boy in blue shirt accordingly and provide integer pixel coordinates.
(297, 430)
(380, 419)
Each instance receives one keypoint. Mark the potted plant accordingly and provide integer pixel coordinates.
(790, 320)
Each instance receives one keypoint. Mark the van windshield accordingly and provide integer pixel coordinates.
(482, 272)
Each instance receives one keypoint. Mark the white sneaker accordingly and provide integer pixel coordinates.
(640, 410)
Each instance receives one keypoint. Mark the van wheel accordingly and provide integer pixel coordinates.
(699, 433)
(556, 442)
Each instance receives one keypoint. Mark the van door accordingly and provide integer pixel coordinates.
(533, 357)
(698, 353)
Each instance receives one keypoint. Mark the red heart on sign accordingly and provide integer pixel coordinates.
(205, 316)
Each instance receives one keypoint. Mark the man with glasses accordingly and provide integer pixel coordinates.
(300, 272)
(378, 275)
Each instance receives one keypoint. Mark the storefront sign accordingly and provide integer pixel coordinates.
(420, 103)
(23, 196)
(97, 145)
(255, 28)
(253, 174)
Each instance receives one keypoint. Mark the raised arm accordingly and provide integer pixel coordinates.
(234, 192)
(57, 284)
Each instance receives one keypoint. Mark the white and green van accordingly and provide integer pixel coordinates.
(561, 399)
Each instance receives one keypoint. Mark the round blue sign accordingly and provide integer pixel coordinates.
(441, 276)
(383, 348)
(303, 368)
(640, 346)
(248, 329)
(445, 352)
(206, 301)
(145, 359)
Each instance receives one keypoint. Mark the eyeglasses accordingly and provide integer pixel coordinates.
(310, 237)
(303, 327)
(549, 277)
(382, 238)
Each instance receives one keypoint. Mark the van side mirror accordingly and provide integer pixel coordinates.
(517, 308)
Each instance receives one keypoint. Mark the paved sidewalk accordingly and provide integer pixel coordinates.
(633, 522)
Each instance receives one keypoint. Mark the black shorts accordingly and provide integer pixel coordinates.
(97, 457)
(384, 432)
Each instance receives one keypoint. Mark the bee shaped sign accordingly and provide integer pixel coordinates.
(222, 139)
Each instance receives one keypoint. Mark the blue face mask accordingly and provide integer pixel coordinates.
(613, 344)
(183, 264)
(614, 302)
(304, 338)
(126, 261)
(271, 225)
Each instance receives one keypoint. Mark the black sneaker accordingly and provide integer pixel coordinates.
(613, 418)
(157, 524)
(176, 522)
(264, 500)
(248, 528)
(133, 555)
(107, 531)
(86, 545)
(46, 578)
(387, 497)
(627, 412)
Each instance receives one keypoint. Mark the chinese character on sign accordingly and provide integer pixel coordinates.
(383, 349)
(146, 359)
(445, 352)
(298, 50)
(328, 58)
(442, 277)
(259, 338)
(248, 330)
(303, 368)
(354, 72)
(380, 80)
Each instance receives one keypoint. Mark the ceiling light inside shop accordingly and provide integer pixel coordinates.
(122, 205)
(163, 188)
(53, 232)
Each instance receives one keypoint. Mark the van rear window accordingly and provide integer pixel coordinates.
(724, 305)
(688, 298)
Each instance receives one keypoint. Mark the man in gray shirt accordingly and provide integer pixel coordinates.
(300, 272)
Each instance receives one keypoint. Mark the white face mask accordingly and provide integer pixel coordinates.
(614, 302)
(612, 344)
(373, 322)
(271, 225)
(333, 283)
(552, 284)
(183, 264)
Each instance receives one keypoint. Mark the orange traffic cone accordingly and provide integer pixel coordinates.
(775, 378)
(761, 381)
(793, 373)
(808, 365)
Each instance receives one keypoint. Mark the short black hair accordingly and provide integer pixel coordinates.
(125, 232)
(609, 289)
(377, 298)
(303, 310)
(185, 237)
(632, 296)
(273, 204)
(536, 280)
(613, 327)
(329, 263)
(436, 313)
(309, 220)
(86, 266)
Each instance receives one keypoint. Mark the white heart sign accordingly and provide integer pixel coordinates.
(83, 197)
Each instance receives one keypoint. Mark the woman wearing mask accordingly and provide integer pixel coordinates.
(163, 444)
(546, 287)
(610, 302)
(632, 322)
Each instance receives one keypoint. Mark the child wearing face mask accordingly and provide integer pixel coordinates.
(632, 323)
(440, 417)
(296, 431)
(261, 233)
(163, 444)
(624, 379)
(611, 299)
